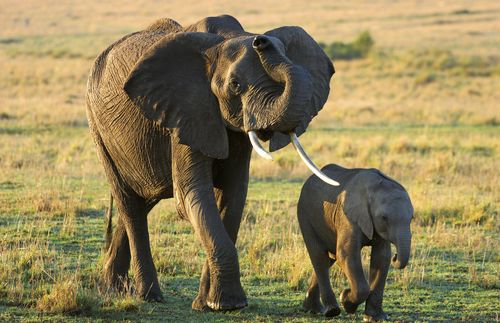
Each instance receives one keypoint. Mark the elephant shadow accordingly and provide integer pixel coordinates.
(268, 300)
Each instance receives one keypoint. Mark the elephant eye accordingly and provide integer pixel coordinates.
(234, 86)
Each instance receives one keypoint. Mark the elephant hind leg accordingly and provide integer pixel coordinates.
(130, 247)
(117, 251)
(320, 286)
(117, 259)
(130, 242)
(134, 218)
(312, 301)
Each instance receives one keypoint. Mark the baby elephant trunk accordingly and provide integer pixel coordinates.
(403, 246)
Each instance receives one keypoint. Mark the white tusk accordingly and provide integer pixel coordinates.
(308, 161)
(258, 147)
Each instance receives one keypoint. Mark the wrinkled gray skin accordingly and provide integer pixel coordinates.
(367, 209)
(169, 108)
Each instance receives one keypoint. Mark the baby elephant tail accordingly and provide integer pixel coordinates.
(109, 229)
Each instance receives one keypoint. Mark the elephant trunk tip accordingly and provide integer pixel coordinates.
(260, 42)
(398, 263)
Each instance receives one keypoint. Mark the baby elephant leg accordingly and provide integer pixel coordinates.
(320, 285)
(379, 266)
(312, 301)
(349, 258)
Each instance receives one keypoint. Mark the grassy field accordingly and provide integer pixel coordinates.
(423, 107)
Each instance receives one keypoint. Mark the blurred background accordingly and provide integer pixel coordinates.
(415, 94)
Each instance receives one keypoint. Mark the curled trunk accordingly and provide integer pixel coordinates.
(287, 106)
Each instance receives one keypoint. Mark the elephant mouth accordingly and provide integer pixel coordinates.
(264, 135)
(261, 151)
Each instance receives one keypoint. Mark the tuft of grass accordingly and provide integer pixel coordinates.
(359, 48)
(67, 297)
(127, 303)
(425, 77)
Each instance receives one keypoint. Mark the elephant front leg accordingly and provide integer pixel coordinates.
(192, 174)
(231, 185)
(222, 274)
(379, 267)
(230, 190)
(349, 258)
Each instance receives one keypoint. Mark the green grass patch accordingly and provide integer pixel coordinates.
(359, 48)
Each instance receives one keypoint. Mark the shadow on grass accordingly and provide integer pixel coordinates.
(90, 212)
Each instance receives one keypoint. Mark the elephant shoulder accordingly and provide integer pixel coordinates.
(341, 174)
(113, 65)
(317, 190)
(165, 25)
(102, 63)
(334, 169)
(130, 48)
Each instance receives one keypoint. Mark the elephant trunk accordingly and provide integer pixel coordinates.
(285, 109)
(286, 104)
(403, 246)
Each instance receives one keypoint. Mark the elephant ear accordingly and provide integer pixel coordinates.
(301, 49)
(357, 210)
(170, 85)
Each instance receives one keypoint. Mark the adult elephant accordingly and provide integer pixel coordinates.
(173, 112)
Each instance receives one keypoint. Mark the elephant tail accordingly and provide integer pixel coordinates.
(109, 229)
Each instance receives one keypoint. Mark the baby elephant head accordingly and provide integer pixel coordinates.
(383, 205)
(392, 213)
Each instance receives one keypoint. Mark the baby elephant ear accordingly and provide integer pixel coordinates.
(356, 209)
(170, 85)
(303, 50)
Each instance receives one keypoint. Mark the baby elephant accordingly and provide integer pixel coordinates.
(367, 209)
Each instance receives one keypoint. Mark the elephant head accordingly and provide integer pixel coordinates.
(392, 213)
(383, 205)
(213, 75)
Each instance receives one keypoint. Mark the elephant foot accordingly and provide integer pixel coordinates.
(150, 291)
(115, 272)
(152, 294)
(226, 298)
(200, 304)
(374, 311)
(153, 297)
(380, 317)
(115, 282)
(229, 305)
(348, 306)
(312, 305)
(375, 315)
(332, 311)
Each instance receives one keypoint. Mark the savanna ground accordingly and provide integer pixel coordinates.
(423, 107)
